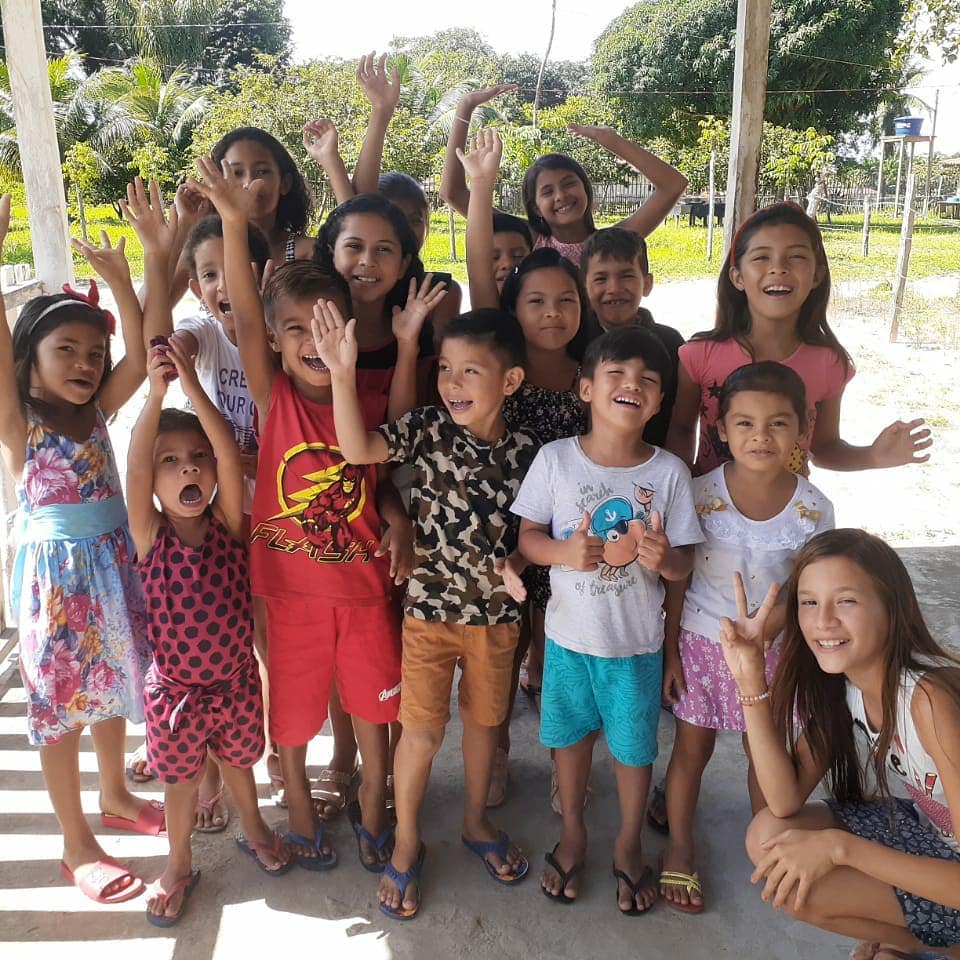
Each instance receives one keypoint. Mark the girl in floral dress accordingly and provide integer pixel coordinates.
(75, 592)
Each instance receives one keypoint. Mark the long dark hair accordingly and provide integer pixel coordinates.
(553, 161)
(733, 316)
(813, 703)
(29, 331)
(294, 206)
(546, 258)
(381, 207)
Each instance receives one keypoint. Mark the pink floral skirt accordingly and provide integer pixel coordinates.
(711, 697)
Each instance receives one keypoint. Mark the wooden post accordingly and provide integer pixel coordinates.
(896, 195)
(933, 136)
(749, 99)
(453, 235)
(883, 150)
(37, 140)
(710, 204)
(865, 241)
(903, 259)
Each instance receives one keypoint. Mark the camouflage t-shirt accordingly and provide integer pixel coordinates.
(460, 500)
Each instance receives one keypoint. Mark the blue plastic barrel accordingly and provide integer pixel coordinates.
(907, 126)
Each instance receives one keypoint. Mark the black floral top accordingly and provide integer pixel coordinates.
(549, 415)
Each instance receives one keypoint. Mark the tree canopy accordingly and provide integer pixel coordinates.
(665, 66)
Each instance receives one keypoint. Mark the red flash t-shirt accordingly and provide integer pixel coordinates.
(315, 524)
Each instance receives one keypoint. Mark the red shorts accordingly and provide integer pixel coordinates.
(309, 642)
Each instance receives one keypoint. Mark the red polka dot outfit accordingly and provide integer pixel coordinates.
(203, 688)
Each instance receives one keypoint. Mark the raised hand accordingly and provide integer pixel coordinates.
(408, 322)
(233, 199)
(654, 545)
(901, 443)
(383, 92)
(160, 370)
(482, 95)
(191, 206)
(185, 366)
(146, 212)
(599, 134)
(584, 551)
(320, 140)
(335, 339)
(483, 160)
(743, 639)
(109, 261)
(507, 567)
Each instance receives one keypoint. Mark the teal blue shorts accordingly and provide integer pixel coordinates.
(619, 695)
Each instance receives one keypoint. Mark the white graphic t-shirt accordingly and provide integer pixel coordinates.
(221, 375)
(761, 550)
(615, 610)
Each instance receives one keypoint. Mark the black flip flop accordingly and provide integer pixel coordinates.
(646, 879)
(565, 876)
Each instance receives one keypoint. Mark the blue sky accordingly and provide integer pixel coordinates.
(516, 27)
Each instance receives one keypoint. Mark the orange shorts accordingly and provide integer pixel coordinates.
(431, 652)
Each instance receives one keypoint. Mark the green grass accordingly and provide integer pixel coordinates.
(677, 251)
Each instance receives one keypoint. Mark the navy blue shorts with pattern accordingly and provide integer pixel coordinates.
(894, 823)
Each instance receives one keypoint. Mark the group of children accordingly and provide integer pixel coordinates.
(546, 508)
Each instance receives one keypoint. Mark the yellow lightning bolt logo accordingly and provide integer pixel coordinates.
(318, 480)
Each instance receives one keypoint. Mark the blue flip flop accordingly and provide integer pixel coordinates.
(322, 861)
(186, 884)
(403, 880)
(250, 848)
(500, 846)
(361, 832)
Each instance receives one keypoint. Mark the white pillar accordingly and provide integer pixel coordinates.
(37, 138)
(749, 99)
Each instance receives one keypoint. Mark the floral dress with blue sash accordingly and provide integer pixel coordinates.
(76, 593)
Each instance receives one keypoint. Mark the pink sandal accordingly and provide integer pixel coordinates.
(208, 805)
(150, 821)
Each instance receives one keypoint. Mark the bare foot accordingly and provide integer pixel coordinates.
(273, 855)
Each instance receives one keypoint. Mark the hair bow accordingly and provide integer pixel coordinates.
(92, 299)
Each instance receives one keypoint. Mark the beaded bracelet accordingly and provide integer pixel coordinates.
(754, 700)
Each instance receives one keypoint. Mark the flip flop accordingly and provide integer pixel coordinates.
(208, 805)
(646, 880)
(103, 873)
(402, 881)
(659, 797)
(378, 843)
(565, 876)
(335, 796)
(500, 846)
(139, 756)
(186, 884)
(322, 861)
(689, 882)
(150, 820)
(250, 847)
(903, 954)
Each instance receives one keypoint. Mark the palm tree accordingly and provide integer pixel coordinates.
(80, 118)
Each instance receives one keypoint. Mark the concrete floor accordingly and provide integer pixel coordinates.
(238, 912)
